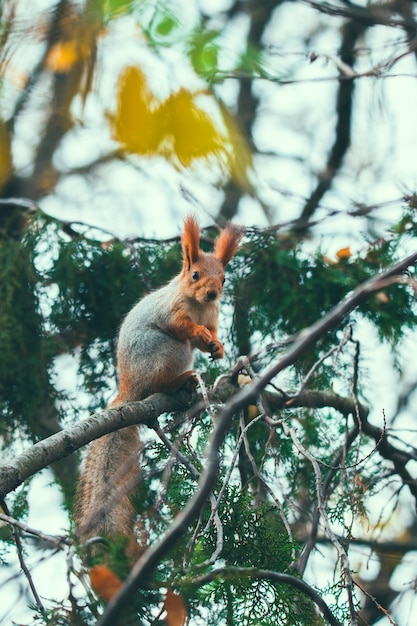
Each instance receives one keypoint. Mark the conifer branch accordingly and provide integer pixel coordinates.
(279, 577)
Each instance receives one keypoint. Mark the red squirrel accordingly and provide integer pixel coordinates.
(155, 352)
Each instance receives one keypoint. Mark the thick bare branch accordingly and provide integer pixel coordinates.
(66, 442)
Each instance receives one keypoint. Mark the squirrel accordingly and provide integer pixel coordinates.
(155, 349)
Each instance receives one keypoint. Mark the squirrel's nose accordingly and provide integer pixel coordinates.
(211, 295)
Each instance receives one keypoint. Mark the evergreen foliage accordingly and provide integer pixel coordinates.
(75, 302)
(302, 464)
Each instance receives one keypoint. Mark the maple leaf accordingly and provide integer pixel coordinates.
(137, 123)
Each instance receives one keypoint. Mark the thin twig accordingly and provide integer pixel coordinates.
(55, 540)
(262, 481)
(23, 565)
(346, 336)
(375, 601)
(312, 539)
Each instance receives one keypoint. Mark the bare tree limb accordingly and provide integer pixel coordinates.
(52, 540)
(67, 441)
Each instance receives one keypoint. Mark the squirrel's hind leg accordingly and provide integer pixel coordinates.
(188, 380)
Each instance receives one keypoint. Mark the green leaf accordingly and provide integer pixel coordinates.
(166, 25)
(204, 52)
(114, 8)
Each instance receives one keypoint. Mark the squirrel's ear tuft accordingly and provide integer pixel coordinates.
(190, 242)
(227, 243)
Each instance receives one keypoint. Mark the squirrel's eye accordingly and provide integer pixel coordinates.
(195, 276)
(223, 281)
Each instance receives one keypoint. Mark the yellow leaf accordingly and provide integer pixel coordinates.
(62, 56)
(105, 582)
(137, 123)
(177, 128)
(192, 129)
(176, 612)
(343, 253)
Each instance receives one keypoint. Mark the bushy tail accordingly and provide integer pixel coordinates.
(111, 473)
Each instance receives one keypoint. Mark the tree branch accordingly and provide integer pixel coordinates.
(56, 541)
(22, 562)
(247, 100)
(67, 441)
(373, 15)
(313, 535)
(344, 105)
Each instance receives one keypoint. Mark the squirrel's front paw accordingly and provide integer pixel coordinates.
(204, 335)
(216, 350)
